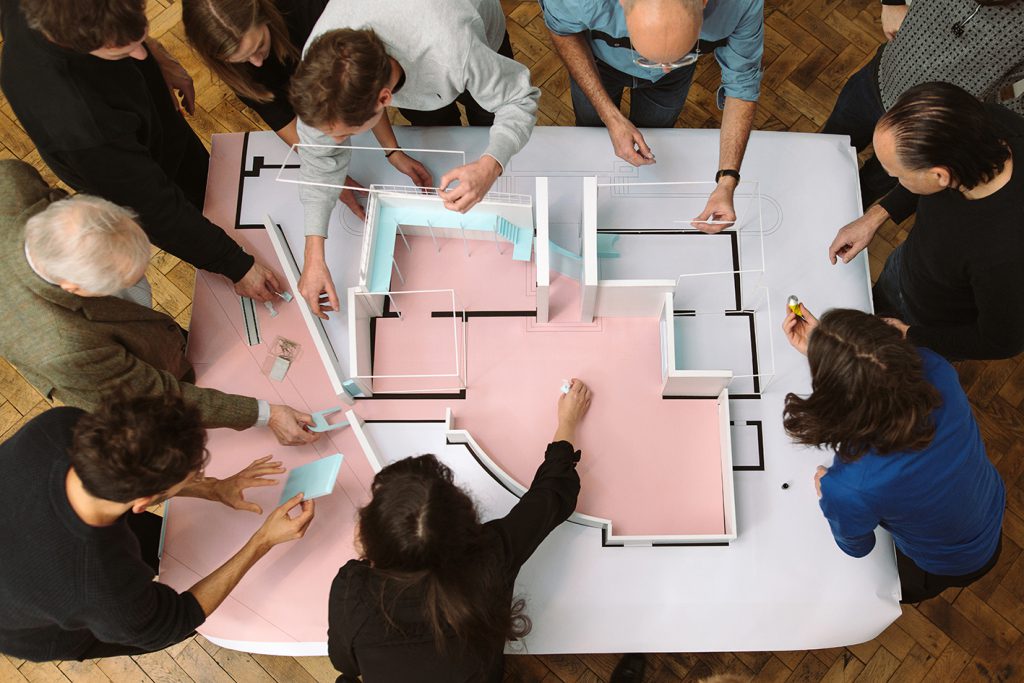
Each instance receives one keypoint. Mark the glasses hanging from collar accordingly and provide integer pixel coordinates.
(685, 60)
(958, 27)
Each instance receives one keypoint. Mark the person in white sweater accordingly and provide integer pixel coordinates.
(420, 56)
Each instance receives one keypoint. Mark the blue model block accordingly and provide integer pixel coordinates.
(352, 389)
(320, 423)
(313, 480)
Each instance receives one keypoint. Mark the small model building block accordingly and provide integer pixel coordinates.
(320, 423)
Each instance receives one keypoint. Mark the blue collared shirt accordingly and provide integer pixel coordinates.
(739, 22)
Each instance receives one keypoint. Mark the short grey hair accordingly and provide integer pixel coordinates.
(88, 241)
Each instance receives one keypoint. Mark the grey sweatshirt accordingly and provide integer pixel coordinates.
(446, 47)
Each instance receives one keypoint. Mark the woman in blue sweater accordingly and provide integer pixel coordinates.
(909, 457)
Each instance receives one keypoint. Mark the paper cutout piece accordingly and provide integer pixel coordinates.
(566, 385)
(352, 389)
(313, 479)
(252, 329)
(606, 245)
(269, 305)
(320, 423)
(286, 296)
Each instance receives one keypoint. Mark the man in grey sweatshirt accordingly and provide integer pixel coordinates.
(420, 56)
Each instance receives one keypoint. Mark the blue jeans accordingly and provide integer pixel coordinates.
(887, 294)
(652, 104)
(856, 112)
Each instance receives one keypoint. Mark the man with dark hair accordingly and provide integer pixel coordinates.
(652, 48)
(92, 91)
(955, 284)
(977, 45)
(422, 57)
(79, 551)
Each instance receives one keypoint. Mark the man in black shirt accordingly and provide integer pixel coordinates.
(75, 579)
(92, 92)
(955, 284)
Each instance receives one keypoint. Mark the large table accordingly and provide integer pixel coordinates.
(781, 585)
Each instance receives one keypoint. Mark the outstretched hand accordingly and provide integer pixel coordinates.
(231, 491)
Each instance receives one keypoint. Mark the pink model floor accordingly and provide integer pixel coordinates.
(650, 465)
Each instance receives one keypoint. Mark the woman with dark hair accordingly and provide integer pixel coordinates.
(909, 456)
(254, 46)
(431, 599)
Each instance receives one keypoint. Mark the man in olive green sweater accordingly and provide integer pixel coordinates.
(75, 316)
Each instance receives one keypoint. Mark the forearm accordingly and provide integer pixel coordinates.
(205, 489)
(211, 591)
(579, 61)
(566, 431)
(384, 133)
(737, 122)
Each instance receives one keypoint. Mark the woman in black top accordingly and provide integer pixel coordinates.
(254, 47)
(431, 599)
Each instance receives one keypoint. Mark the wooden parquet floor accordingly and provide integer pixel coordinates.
(811, 46)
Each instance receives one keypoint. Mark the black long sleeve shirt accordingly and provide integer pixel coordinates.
(299, 17)
(110, 128)
(963, 279)
(64, 584)
(361, 641)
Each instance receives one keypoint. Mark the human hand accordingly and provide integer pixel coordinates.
(818, 474)
(281, 527)
(289, 426)
(798, 329)
(856, 235)
(892, 19)
(351, 200)
(628, 142)
(719, 208)
(416, 171)
(178, 80)
(572, 406)
(898, 324)
(475, 179)
(231, 491)
(260, 284)
(317, 288)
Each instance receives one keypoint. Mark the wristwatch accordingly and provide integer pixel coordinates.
(732, 173)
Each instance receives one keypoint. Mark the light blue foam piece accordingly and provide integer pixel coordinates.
(352, 389)
(606, 245)
(313, 479)
(566, 262)
(320, 423)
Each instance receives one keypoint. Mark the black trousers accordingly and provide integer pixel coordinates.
(919, 585)
(448, 115)
(146, 528)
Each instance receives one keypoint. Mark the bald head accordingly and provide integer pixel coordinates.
(663, 31)
(87, 245)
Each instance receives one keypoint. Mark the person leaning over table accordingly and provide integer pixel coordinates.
(96, 96)
(431, 597)
(253, 46)
(954, 285)
(975, 44)
(652, 48)
(366, 55)
(908, 453)
(77, 316)
(78, 551)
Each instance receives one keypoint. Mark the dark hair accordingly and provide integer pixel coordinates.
(135, 447)
(939, 124)
(340, 78)
(869, 390)
(420, 529)
(87, 25)
(215, 28)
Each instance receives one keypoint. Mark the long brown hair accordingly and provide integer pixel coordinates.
(421, 530)
(215, 29)
(869, 390)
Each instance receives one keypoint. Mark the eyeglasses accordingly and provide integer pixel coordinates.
(685, 60)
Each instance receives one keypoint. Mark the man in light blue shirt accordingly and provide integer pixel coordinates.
(652, 47)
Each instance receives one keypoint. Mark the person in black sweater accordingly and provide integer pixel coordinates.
(96, 96)
(76, 565)
(254, 46)
(431, 599)
(955, 284)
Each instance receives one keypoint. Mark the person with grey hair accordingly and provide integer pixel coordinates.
(652, 48)
(76, 316)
